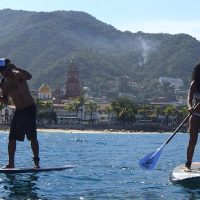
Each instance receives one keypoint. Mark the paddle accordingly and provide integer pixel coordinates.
(150, 160)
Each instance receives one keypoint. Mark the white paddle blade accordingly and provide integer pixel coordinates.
(150, 160)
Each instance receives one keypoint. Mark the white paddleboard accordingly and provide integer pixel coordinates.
(181, 176)
(34, 170)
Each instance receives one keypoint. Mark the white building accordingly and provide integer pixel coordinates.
(6, 114)
(176, 82)
(82, 116)
(64, 116)
(127, 95)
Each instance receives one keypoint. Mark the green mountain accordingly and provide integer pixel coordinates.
(45, 42)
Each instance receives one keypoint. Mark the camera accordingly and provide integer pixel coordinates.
(2, 63)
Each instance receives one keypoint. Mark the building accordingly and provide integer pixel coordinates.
(73, 88)
(44, 92)
(6, 114)
(58, 95)
(176, 82)
(127, 95)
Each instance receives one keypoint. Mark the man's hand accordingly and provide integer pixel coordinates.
(11, 67)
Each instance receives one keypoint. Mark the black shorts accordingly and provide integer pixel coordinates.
(24, 123)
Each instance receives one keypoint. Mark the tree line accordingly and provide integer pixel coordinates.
(125, 109)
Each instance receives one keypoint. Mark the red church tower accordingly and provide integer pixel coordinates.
(73, 88)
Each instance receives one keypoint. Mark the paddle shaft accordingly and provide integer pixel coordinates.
(177, 129)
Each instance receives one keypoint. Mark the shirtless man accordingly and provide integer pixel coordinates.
(23, 123)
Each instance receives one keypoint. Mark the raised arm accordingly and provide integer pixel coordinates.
(21, 73)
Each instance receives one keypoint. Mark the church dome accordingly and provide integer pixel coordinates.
(44, 88)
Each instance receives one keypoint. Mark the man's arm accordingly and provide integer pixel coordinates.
(190, 96)
(21, 73)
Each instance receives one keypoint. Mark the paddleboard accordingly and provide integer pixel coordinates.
(35, 170)
(180, 176)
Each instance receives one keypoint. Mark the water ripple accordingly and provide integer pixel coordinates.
(107, 168)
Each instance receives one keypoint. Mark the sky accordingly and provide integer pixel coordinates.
(149, 16)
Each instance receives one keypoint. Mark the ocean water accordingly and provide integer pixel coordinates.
(106, 168)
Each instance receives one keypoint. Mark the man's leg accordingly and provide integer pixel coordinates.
(35, 149)
(11, 153)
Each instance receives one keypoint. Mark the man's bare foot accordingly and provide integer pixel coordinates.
(8, 166)
(186, 169)
(36, 166)
(37, 162)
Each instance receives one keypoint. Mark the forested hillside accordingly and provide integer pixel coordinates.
(45, 42)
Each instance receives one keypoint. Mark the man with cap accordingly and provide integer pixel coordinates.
(14, 85)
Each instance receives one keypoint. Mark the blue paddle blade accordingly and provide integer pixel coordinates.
(150, 160)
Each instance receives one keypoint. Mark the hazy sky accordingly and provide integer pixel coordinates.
(151, 16)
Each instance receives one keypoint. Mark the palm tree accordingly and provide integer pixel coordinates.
(91, 107)
(182, 112)
(41, 104)
(115, 105)
(81, 101)
(108, 111)
(70, 107)
(144, 110)
(125, 109)
(170, 110)
(45, 111)
(75, 105)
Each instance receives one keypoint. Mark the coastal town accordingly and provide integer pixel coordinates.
(73, 107)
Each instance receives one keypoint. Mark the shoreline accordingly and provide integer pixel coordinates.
(90, 131)
(113, 128)
(103, 129)
(76, 131)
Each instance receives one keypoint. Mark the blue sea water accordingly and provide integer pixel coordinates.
(106, 168)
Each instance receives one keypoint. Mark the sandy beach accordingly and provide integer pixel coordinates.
(110, 128)
(46, 130)
(95, 131)
(79, 131)
(101, 130)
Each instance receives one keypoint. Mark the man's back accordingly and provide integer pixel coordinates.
(17, 88)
